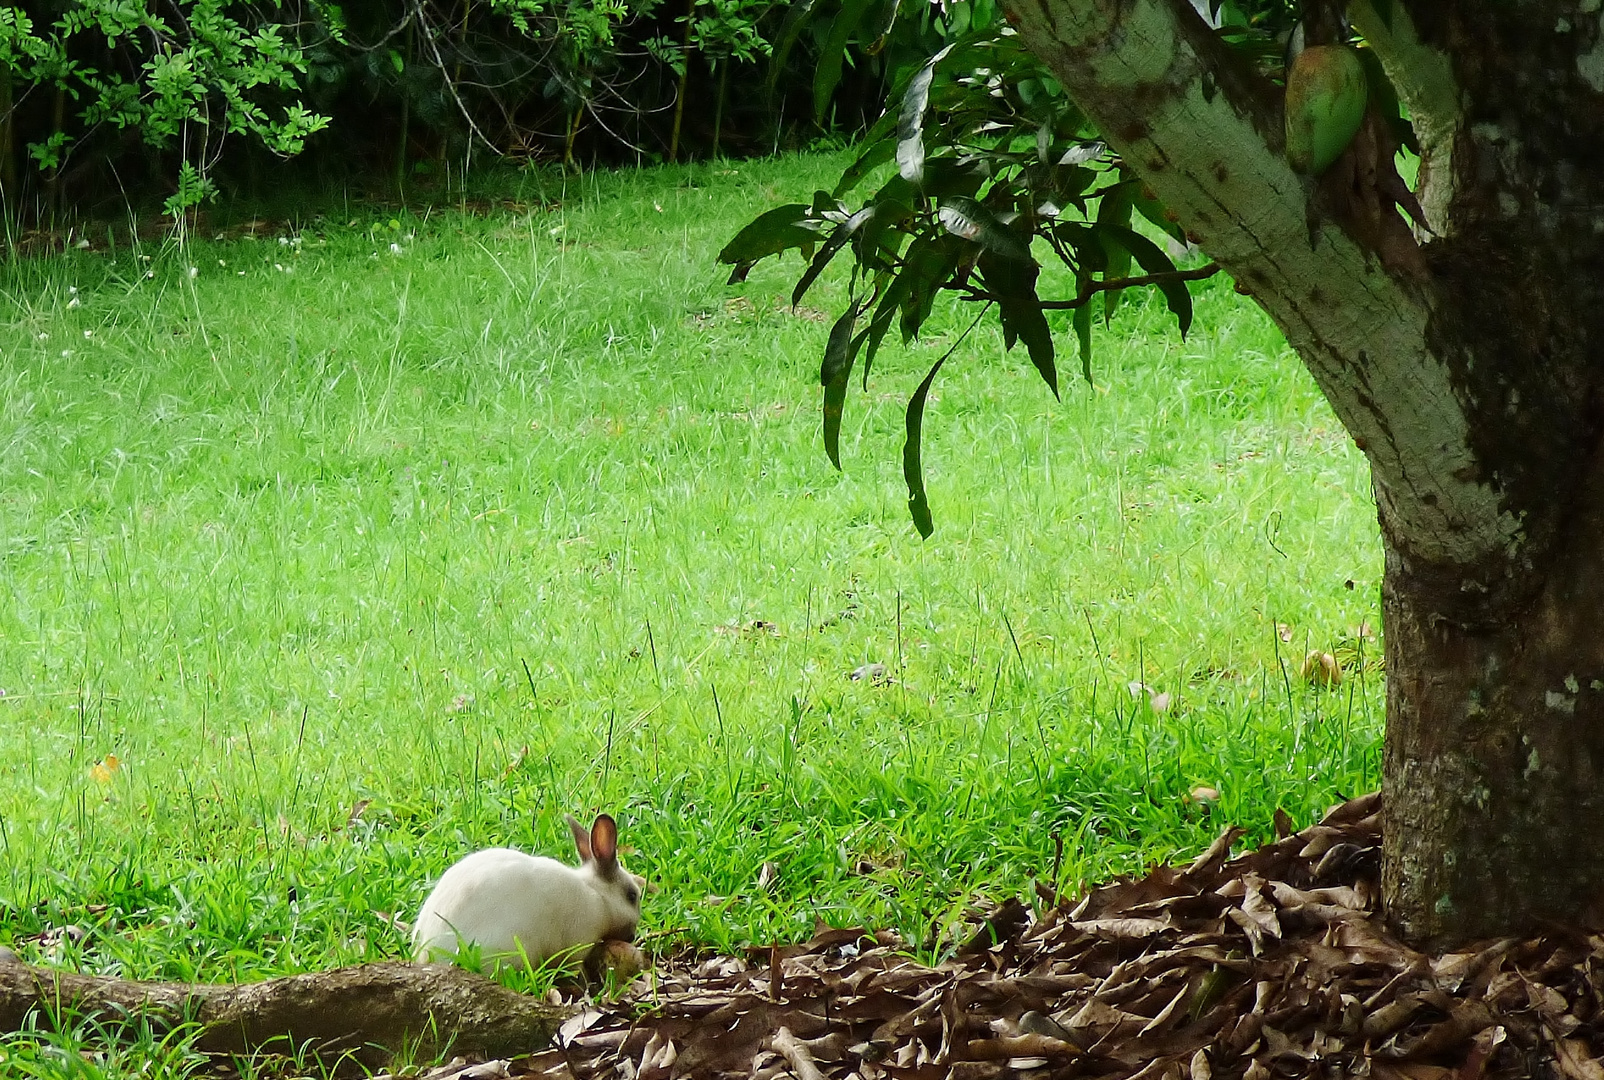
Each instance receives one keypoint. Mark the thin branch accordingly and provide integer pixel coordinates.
(1060, 249)
(1092, 288)
(386, 39)
(439, 61)
(1424, 78)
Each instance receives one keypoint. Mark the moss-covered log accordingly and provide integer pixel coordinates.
(367, 1012)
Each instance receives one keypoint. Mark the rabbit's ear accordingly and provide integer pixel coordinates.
(581, 837)
(604, 841)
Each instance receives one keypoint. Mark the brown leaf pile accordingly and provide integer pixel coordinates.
(1269, 965)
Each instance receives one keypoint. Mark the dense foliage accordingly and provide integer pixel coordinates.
(107, 97)
(993, 163)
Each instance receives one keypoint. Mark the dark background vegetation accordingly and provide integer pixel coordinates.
(172, 104)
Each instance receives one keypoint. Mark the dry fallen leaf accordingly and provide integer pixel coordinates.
(1321, 669)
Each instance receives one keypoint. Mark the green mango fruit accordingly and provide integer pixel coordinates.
(1325, 104)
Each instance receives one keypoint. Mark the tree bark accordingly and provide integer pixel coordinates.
(1467, 368)
(10, 198)
(365, 1012)
(1495, 735)
(718, 109)
(684, 81)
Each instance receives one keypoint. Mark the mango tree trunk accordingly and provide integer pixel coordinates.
(10, 201)
(1466, 359)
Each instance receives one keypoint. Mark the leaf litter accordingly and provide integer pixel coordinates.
(1272, 964)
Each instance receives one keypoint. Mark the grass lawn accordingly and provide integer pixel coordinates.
(333, 554)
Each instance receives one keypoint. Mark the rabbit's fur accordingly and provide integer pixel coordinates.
(519, 909)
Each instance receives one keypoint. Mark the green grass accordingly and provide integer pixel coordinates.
(359, 557)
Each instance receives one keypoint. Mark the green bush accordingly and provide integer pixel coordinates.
(181, 101)
(186, 81)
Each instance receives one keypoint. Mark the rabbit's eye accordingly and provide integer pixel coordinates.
(632, 894)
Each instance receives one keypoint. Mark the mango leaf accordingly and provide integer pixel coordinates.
(876, 332)
(972, 221)
(796, 20)
(1082, 322)
(880, 30)
(1177, 297)
(1013, 284)
(843, 232)
(912, 468)
(831, 55)
(1384, 99)
(1114, 212)
(769, 234)
(1092, 257)
(839, 353)
(1046, 191)
(924, 271)
(893, 205)
(1154, 211)
(945, 177)
(1081, 153)
(910, 122)
(872, 157)
(895, 286)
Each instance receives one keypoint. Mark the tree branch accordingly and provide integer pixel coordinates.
(1424, 79)
(1090, 289)
(1206, 136)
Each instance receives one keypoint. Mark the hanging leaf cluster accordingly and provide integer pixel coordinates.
(984, 169)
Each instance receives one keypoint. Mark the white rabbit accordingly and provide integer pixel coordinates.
(516, 908)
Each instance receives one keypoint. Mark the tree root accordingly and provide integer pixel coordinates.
(366, 1013)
